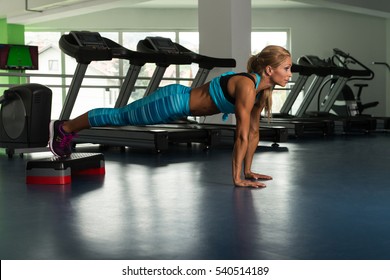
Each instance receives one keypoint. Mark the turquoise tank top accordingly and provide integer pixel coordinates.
(219, 98)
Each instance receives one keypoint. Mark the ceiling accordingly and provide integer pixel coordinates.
(34, 11)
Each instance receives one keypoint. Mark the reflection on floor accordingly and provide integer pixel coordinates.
(330, 199)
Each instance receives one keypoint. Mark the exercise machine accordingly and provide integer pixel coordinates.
(85, 47)
(339, 75)
(24, 118)
(74, 43)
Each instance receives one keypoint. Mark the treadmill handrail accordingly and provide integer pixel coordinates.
(348, 73)
(353, 74)
(207, 62)
(308, 70)
(183, 54)
(320, 67)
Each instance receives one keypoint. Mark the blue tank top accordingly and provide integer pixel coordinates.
(217, 95)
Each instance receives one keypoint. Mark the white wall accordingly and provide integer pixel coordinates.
(313, 31)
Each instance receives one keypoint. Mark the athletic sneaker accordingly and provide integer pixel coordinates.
(59, 140)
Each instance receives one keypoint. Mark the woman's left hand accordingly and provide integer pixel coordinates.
(257, 176)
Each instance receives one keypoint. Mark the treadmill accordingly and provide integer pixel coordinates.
(161, 45)
(301, 126)
(87, 46)
(339, 76)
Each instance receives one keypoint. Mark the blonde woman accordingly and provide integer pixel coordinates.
(245, 94)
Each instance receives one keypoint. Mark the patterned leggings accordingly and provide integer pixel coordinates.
(165, 105)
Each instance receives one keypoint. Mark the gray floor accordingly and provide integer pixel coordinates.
(330, 199)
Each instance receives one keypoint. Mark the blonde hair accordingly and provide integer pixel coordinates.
(270, 56)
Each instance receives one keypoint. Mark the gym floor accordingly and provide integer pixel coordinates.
(329, 199)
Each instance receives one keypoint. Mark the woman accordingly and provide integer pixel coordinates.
(245, 94)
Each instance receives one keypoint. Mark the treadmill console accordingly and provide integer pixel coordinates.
(162, 44)
(312, 60)
(89, 39)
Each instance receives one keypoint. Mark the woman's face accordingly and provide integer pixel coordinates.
(281, 75)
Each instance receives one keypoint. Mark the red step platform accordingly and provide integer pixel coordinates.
(59, 171)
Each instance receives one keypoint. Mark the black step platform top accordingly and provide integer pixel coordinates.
(75, 161)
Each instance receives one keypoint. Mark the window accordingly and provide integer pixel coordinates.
(53, 65)
(261, 39)
(189, 40)
(49, 52)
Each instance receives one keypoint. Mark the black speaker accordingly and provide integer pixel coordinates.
(25, 116)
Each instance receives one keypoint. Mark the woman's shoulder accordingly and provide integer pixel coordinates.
(246, 79)
(228, 73)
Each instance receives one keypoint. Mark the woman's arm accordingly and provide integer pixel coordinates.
(254, 137)
(245, 99)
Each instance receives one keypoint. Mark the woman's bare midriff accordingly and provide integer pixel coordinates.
(201, 103)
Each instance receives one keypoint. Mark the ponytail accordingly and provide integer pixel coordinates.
(267, 101)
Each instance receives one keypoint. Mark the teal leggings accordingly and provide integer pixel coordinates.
(165, 105)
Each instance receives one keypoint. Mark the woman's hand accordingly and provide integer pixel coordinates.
(251, 180)
(249, 184)
(256, 176)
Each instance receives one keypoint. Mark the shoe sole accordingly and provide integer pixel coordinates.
(51, 138)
